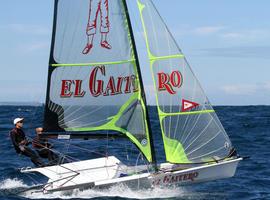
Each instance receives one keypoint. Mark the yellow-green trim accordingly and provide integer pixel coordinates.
(150, 55)
(92, 64)
(163, 114)
(174, 150)
(111, 125)
(154, 58)
(145, 149)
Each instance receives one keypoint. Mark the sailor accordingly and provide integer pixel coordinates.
(20, 142)
(43, 147)
(97, 8)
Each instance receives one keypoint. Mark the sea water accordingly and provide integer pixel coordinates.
(247, 126)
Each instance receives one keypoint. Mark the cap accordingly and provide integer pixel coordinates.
(17, 120)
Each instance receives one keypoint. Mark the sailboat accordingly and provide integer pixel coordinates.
(95, 90)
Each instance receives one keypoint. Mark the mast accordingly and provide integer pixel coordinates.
(48, 115)
(141, 83)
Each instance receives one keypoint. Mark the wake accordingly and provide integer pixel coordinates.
(115, 191)
(12, 187)
(16, 187)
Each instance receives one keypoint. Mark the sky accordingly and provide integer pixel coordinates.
(226, 42)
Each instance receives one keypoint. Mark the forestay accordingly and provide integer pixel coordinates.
(190, 128)
(93, 80)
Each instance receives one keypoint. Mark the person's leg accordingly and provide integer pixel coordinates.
(50, 155)
(33, 156)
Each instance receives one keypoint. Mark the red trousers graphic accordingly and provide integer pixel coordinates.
(98, 8)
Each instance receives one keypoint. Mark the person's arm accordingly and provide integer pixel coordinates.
(24, 141)
(13, 139)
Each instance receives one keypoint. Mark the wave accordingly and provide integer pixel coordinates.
(120, 190)
(9, 187)
(11, 184)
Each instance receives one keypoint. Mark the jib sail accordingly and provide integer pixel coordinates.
(190, 128)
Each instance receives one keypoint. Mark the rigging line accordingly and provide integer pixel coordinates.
(98, 153)
(199, 134)
(88, 124)
(207, 154)
(53, 150)
(204, 143)
(66, 149)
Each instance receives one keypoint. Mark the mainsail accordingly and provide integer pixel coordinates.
(93, 80)
(190, 128)
(95, 90)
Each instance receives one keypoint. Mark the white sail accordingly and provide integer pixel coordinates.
(93, 73)
(191, 130)
(95, 84)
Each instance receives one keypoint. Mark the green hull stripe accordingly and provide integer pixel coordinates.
(92, 64)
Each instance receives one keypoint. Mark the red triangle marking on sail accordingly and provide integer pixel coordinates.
(187, 105)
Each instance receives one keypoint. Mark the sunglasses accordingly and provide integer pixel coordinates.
(20, 122)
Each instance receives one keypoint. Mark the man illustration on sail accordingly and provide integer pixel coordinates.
(97, 8)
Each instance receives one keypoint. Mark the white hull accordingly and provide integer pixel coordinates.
(106, 172)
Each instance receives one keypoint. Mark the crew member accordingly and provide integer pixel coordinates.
(43, 147)
(20, 142)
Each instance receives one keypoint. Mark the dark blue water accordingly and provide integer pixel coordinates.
(247, 126)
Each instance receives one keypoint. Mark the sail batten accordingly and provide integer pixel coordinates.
(163, 114)
(92, 64)
(153, 58)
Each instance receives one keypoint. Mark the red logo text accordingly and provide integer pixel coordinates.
(99, 84)
(169, 82)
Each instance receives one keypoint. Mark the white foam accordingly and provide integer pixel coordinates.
(116, 191)
(12, 183)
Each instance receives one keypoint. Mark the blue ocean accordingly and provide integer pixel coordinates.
(247, 126)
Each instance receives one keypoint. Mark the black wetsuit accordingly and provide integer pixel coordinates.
(43, 148)
(17, 136)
